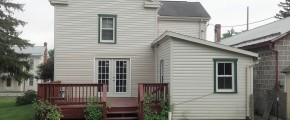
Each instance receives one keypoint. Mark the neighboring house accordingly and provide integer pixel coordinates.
(38, 56)
(272, 43)
(123, 43)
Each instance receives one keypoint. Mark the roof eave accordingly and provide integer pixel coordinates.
(200, 41)
(205, 19)
(58, 2)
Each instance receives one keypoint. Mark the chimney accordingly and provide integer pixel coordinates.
(45, 53)
(217, 33)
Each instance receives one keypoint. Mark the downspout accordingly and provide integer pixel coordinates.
(276, 76)
(249, 84)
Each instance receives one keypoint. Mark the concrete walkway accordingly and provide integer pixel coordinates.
(11, 93)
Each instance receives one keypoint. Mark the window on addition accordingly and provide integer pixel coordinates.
(225, 75)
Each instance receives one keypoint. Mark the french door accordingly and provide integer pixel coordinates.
(116, 74)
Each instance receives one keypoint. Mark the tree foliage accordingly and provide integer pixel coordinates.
(230, 33)
(12, 65)
(286, 9)
(46, 70)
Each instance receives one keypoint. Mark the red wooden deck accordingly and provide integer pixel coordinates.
(72, 99)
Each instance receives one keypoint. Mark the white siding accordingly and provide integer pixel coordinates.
(76, 39)
(191, 28)
(163, 53)
(193, 77)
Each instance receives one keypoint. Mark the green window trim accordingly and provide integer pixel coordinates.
(114, 28)
(232, 60)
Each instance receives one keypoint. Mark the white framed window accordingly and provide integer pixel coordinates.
(225, 75)
(107, 28)
(8, 82)
(31, 81)
(161, 71)
(31, 62)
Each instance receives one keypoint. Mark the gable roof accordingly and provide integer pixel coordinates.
(35, 50)
(167, 34)
(268, 32)
(182, 9)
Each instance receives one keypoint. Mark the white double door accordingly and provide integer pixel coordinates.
(116, 74)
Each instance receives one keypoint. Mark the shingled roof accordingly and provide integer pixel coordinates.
(35, 50)
(268, 32)
(182, 9)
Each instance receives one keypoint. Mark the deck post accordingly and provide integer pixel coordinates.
(141, 101)
(104, 100)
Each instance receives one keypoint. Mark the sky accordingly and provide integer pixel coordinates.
(39, 15)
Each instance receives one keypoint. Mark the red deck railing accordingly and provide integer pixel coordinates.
(157, 90)
(73, 94)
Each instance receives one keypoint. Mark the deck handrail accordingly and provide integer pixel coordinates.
(73, 93)
(158, 90)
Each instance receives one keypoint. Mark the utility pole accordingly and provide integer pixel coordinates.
(247, 18)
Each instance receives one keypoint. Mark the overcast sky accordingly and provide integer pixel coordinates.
(39, 17)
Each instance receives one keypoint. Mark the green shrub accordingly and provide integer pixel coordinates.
(28, 98)
(44, 110)
(150, 113)
(93, 112)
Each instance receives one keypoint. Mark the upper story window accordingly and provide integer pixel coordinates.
(107, 28)
(31, 62)
(161, 71)
(225, 75)
(31, 81)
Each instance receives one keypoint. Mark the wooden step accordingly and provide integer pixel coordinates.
(117, 109)
(123, 112)
(123, 118)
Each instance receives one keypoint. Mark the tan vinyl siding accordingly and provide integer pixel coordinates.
(76, 39)
(191, 28)
(193, 77)
(163, 53)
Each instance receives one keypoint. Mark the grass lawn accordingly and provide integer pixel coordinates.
(9, 111)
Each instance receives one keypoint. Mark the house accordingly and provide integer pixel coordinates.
(127, 44)
(38, 56)
(272, 43)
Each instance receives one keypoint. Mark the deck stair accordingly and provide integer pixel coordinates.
(122, 109)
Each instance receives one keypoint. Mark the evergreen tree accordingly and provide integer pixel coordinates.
(286, 12)
(12, 65)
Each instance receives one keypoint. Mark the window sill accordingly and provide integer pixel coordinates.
(235, 92)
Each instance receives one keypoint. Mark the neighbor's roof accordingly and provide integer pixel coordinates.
(35, 50)
(268, 32)
(167, 34)
(182, 9)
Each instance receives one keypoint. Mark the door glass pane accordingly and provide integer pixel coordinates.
(103, 72)
(121, 74)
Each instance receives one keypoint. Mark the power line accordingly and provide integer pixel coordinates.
(246, 24)
(193, 99)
